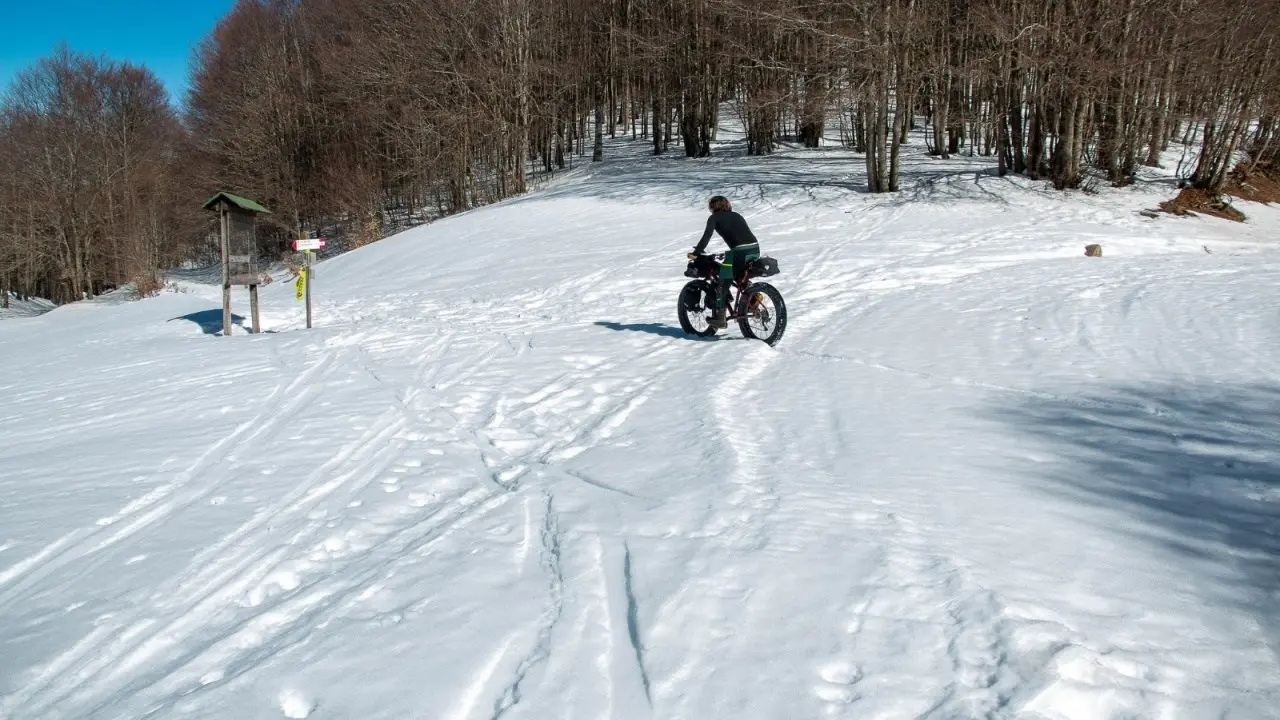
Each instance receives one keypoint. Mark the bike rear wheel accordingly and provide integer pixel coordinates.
(693, 312)
(762, 315)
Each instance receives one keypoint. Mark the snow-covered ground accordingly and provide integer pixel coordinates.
(24, 308)
(981, 476)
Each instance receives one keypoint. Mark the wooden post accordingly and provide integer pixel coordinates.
(253, 303)
(308, 288)
(226, 269)
(226, 310)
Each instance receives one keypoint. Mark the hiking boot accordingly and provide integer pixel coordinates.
(719, 318)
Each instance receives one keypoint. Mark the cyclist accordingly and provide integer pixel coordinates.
(743, 247)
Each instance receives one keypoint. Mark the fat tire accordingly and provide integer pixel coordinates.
(691, 296)
(744, 322)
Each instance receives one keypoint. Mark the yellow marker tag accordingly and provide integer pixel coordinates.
(300, 285)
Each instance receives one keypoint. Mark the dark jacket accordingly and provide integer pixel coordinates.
(729, 225)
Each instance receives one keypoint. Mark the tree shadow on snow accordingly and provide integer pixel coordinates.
(1196, 468)
(210, 321)
(652, 329)
(935, 186)
(827, 177)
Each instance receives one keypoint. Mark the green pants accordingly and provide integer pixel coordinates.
(735, 263)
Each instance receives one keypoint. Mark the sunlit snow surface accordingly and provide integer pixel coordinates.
(981, 476)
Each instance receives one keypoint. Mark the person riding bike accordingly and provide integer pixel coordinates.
(743, 248)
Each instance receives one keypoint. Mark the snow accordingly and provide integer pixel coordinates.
(981, 476)
(24, 307)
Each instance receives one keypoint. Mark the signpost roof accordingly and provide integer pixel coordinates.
(242, 203)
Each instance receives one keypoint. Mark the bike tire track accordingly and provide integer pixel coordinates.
(283, 402)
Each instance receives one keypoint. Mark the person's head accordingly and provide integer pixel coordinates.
(719, 203)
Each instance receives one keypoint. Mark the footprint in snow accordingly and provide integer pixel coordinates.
(837, 681)
(277, 583)
(296, 704)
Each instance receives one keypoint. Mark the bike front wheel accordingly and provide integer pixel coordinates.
(692, 311)
(762, 315)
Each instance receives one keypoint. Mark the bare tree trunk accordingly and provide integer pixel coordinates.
(1065, 162)
(659, 146)
(812, 121)
(598, 153)
(900, 113)
(941, 140)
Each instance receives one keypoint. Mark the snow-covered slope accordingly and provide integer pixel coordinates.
(24, 308)
(981, 476)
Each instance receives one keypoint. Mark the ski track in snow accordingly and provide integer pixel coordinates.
(157, 505)
(483, 488)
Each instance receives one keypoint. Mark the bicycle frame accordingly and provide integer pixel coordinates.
(737, 287)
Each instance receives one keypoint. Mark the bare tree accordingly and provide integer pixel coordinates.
(359, 115)
(87, 188)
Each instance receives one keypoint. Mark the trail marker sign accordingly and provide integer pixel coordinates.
(303, 287)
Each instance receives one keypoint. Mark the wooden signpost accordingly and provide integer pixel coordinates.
(238, 218)
(306, 245)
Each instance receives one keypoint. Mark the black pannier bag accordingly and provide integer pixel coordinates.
(763, 266)
(702, 265)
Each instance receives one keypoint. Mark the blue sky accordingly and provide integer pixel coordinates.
(157, 33)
